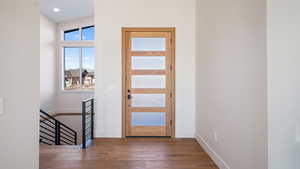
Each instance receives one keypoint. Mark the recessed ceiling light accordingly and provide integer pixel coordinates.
(56, 9)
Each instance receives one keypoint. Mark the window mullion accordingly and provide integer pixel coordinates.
(80, 58)
(64, 67)
(80, 34)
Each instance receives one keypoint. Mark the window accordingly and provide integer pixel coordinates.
(79, 59)
(85, 33)
(73, 34)
(88, 33)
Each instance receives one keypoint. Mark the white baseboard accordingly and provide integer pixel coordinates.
(215, 156)
(107, 134)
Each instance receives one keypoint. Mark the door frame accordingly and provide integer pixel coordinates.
(125, 30)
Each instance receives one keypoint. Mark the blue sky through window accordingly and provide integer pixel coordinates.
(72, 58)
(88, 33)
(72, 35)
(88, 58)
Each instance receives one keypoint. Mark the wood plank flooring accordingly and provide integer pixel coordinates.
(129, 153)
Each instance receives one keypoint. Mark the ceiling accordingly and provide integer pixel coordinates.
(69, 9)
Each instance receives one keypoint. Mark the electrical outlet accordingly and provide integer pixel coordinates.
(216, 137)
(1, 105)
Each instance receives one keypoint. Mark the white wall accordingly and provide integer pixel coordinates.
(110, 17)
(70, 102)
(284, 84)
(19, 72)
(231, 82)
(48, 61)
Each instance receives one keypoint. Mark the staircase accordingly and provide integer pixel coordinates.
(54, 132)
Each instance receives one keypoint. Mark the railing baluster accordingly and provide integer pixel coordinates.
(87, 116)
(75, 140)
(92, 122)
(57, 132)
(83, 126)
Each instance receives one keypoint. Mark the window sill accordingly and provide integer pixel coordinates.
(77, 91)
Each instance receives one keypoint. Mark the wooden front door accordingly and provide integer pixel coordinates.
(148, 81)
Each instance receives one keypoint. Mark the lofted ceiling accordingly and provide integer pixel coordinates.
(69, 9)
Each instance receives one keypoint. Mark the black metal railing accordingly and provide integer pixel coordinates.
(87, 122)
(54, 132)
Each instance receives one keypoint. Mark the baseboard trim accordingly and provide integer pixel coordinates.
(106, 134)
(215, 156)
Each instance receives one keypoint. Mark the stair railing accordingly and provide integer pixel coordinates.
(87, 122)
(54, 132)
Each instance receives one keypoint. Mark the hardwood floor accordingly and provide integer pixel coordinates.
(130, 153)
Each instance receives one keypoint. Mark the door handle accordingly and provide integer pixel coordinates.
(129, 97)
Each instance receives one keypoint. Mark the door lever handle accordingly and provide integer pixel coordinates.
(129, 96)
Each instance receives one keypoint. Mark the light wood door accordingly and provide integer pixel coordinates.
(148, 88)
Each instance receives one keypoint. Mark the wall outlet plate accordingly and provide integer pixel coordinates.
(1, 105)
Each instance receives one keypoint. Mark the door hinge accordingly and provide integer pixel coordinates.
(171, 94)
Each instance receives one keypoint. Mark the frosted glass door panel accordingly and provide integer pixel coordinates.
(148, 100)
(148, 44)
(148, 81)
(148, 119)
(148, 62)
